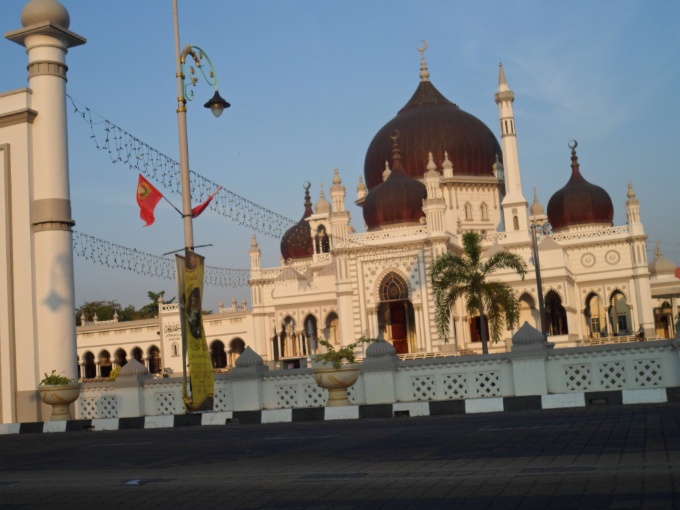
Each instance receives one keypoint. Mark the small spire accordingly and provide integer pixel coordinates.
(336, 177)
(657, 251)
(361, 188)
(431, 166)
(631, 191)
(447, 165)
(253, 242)
(424, 72)
(387, 171)
(501, 76)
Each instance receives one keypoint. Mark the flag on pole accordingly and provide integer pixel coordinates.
(147, 198)
(196, 211)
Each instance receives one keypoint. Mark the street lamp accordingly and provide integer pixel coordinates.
(539, 284)
(185, 93)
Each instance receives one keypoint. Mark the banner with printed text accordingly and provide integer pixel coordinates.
(199, 390)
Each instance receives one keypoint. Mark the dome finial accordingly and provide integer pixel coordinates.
(396, 153)
(575, 172)
(424, 72)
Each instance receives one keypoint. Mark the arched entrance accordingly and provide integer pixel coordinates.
(311, 334)
(555, 314)
(236, 348)
(155, 365)
(120, 358)
(90, 366)
(619, 314)
(596, 316)
(331, 331)
(218, 354)
(105, 363)
(138, 354)
(396, 318)
(528, 312)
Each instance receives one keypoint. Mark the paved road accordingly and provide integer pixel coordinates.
(597, 457)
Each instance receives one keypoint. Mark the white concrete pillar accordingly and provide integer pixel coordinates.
(47, 38)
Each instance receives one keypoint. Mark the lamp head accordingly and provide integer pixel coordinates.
(217, 104)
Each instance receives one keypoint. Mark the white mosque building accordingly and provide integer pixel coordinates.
(431, 173)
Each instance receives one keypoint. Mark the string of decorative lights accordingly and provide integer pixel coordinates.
(115, 256)
(122, 147)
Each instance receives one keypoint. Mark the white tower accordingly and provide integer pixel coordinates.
(48, 283)
(514, 204)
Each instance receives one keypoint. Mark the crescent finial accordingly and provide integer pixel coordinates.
(573, 144)
(307, 185)
(424, 48)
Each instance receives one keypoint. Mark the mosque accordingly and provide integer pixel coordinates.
(431, 173)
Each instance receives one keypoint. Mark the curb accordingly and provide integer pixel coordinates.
(396, 410)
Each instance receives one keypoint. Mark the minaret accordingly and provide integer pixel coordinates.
(340, 228)
(47, 39)
(514, 204)
(434, 206)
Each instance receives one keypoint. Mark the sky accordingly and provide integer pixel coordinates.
(311, 82)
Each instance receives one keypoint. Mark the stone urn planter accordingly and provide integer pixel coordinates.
(336, 381)
(336, 371)
(59, 392)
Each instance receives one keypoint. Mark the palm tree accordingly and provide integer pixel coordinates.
(464, 276)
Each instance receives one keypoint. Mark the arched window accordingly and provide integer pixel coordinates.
(515, 223)
(175, 349)
(596, 316)
(485, 211)
(138, 354)
(619, 314)
(90, 366)
(311, 333)
(332, 330)
(323, 244)
(468, 211)
(393, 288)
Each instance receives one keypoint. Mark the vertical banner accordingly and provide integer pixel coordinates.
(200, 390)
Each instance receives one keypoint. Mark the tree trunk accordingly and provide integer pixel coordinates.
(482, 326)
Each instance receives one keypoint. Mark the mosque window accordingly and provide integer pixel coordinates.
(175, 349)
(515, 223)
(393, 288)
(468, 211)
(485, 211)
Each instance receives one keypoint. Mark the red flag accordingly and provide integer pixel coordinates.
(147, 198)
(196, 211)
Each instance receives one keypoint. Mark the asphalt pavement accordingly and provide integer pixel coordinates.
(583, 458)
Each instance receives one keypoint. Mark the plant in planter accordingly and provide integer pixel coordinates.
(336, 370)
(59, 392)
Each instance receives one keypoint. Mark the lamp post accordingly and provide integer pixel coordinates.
(539, 284)
(185, 93)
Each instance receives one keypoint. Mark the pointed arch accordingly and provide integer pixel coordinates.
(485, 211)
(154, 356)
(555, 313)
(468, 211)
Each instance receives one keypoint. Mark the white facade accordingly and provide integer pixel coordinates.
(595, 278)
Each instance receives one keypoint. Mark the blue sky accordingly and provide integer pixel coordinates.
(311, 82)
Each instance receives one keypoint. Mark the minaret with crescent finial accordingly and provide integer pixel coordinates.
(515, 206)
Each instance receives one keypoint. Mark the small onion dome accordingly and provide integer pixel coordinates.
(249, 358)
(398, 200)
(536, 208)
(579, 202)
(431, 123)
(527, 335)
(661, 265)
(322, 206)
(133, 367)
(296, 243)
(45, 11)
(380, 348)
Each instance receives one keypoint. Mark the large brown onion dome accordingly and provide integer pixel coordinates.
(296, 243)
(396, 201)
(579, 202)
(431, 123)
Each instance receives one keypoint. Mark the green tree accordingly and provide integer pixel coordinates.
(104, 310)
(465, 276)
(151, 310)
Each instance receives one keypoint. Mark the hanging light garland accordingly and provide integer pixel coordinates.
(122, 147)
(115, 256)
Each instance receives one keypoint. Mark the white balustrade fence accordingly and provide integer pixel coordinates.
(539, 371)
